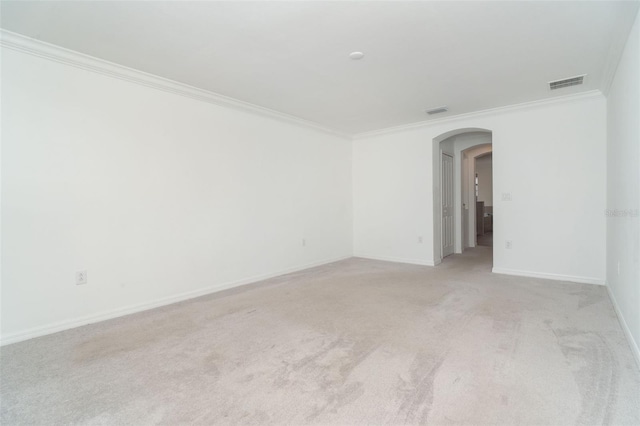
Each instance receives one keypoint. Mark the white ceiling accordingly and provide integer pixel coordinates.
(292, 57)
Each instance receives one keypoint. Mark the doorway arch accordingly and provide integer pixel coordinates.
(455, 141)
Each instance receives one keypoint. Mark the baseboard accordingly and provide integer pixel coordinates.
(632, 343)
(546, 276)
(132, 309)
(395, 259)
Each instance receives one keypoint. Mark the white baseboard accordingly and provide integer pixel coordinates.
(395, 259)
(556, 277)
(132, 309)
(632, 343)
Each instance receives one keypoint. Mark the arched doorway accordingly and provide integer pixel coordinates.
(450, 146)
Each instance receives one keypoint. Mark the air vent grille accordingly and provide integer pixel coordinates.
(567, 82)
(437, 110)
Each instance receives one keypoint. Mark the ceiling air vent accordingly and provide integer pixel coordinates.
(437, 110)
(567, 82)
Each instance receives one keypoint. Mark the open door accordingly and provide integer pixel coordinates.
(446, 183)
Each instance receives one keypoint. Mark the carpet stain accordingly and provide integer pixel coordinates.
(509, 333)
(595, 371)
(416, 393)
(325, 374)
(337, 399)
(590, 296)
(506, 324)
(327, 366)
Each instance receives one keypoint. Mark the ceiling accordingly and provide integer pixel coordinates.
(293, 57)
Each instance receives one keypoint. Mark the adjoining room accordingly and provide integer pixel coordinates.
(484, 200)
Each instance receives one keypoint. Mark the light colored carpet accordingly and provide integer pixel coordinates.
(354, 342)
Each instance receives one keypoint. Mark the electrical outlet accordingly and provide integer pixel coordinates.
(304, 242)
(508, 244)
(81, 277)
(420, 239)
(506, 196)
(618, 267)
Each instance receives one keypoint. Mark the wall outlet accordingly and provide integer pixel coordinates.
(81, 277)
(508, 244)
(420, 239)
(618, 268)
(304, 242)
(506, 196)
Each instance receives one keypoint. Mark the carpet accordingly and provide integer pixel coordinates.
(354, 342)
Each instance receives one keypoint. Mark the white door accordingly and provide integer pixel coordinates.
(446, 183)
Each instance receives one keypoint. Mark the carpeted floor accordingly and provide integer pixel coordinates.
(354, 342)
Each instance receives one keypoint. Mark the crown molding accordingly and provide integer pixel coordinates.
(481, 113)
(30, 46)
(41, 49)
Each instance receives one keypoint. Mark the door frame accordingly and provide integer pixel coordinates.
(436, 190)
(442, 192)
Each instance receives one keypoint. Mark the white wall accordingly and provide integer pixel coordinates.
(623, 188)
(485, 181)
(549, 156)
(158, 196)
(392, 198)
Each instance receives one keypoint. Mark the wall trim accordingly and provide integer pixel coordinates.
(548, 276)
(38, 48)
(68, 324)
(421, 262)
(41, 49)
(474, 114)
(625, 328)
